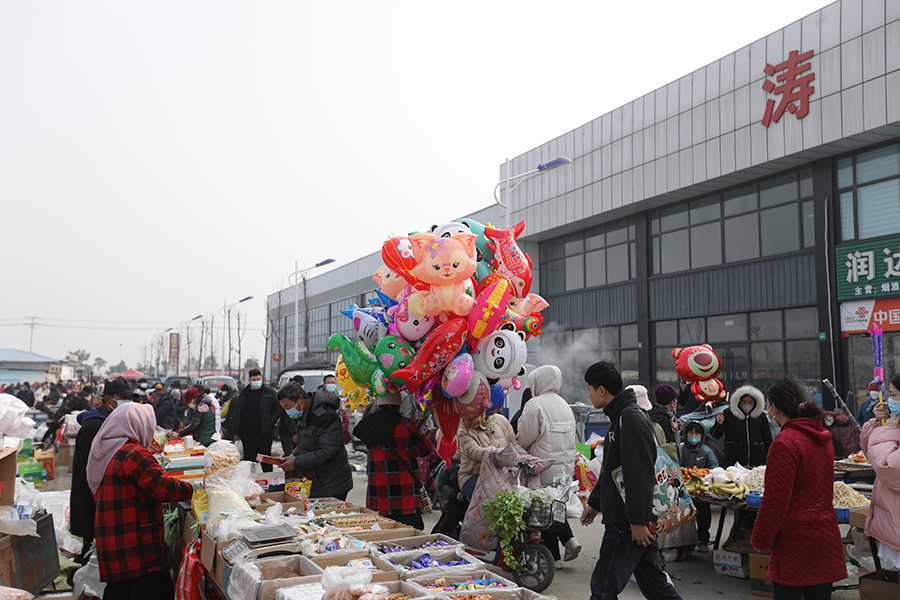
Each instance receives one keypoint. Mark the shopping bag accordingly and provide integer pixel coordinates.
(190, 575)
(672, 505)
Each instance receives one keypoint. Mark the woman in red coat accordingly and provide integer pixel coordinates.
(797, 521)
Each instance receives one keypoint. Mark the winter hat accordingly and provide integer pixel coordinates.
(640, 392)
(665, 394)
(191, 395)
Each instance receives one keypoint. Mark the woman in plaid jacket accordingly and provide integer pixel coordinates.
(130, 487)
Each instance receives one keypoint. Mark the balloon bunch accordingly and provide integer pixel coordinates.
(453, 312)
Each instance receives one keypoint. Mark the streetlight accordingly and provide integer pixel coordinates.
(521, 178)
(298, 277)
(224, 312)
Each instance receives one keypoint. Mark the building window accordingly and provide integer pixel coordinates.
(761, 219)
(869, 193)
(587, 259)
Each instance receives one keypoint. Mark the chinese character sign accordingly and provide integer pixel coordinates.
(174, 347)
(792, 84)
(870, 270)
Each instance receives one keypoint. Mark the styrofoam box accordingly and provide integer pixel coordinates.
(462, 577)
(401, 563)
(411, 542)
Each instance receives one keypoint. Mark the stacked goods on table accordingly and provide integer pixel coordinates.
(717, 483)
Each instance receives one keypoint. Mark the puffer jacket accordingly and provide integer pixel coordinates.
(201, 421)
(881, 445)
(796, 520)
(547, 426)
(700, 456)
(494, 431)
(747, 437)
(320, 454)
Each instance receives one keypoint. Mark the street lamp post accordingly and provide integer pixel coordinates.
(300, 275)
(224, 312)
(178, 362)
(520, 179)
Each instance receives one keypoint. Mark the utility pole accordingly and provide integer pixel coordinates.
(31, 336)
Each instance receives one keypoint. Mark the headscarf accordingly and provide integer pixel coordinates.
(128, 422)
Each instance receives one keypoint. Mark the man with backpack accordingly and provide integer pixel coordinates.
(629, 542)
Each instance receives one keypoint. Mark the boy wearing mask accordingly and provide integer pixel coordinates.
(695, 453)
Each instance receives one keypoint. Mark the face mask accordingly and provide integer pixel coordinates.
(873, 395)
(693, 440)
(294, 413)
(894, 406)
(331, 388)
(122, 403)
(746, 408)
(256, 384)
(143, 386)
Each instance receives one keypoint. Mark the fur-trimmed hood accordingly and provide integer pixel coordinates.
(747, 390)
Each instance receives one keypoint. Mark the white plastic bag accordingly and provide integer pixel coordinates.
(86, 581)
(12, 411)
(57, 504)
(221, 455)
(27, 500)
(339, 581)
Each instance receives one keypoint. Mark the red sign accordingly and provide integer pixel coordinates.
(791, 86)
(174, 347)
(859, 316)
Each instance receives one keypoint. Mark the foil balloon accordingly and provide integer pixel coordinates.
(370, 324)
(407, 324)
(389, 281)
(438, 350)
(352, 391)
(509, 258)
(502, 355)
(359, 360)
(498, 396)
(700, 365)
(392, 353)
(446, 265)
(397, 254)
(490, 307)
(471, 404)
(481, 244)
(448, 424)
(457, 375)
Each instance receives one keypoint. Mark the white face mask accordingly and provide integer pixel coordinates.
(873, 394)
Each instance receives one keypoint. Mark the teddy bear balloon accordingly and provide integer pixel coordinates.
(700, 366)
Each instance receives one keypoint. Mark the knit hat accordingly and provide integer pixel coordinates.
(191, 395)
(640, 392)
(665, 394)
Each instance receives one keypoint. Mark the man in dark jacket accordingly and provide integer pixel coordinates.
(320, 454)
(81, 501)
(167, 412)
(745, 428)
(252, 418)
(453, 502)
(629, 545)
(26, 395)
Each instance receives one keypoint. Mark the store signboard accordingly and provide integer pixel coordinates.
(174, 347)
(859, 316)
(791, 86)
(870, 270)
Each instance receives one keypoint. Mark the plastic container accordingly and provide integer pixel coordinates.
(753, 500)
(843, 514)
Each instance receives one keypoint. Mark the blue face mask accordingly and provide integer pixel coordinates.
(294, 413)
(693, 440)
(893, 406)
(331, 388)
(256, 384)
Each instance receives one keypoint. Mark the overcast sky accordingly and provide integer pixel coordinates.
(159, 159)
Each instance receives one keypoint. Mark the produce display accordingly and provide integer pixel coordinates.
(858, 457)
(443, 585)
(846, 497)
(389, 548)
(717, 483)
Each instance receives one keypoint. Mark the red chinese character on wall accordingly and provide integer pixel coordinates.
(791, 86)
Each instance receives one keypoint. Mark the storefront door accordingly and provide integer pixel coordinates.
(735, 366)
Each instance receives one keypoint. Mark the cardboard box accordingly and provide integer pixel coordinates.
(8, 468)
(880, 585)
(30, 563)
(760, 584)
(858, 517)
(379, 535)
(64, 459)
(48, 459)
(412, 543)
(272, 575)
(189, 532)
(384, 573)
(211, 558)
(732, 564)
(287, 501)
(268, 481)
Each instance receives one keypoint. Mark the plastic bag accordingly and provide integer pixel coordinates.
(28, 499)
(229, 527)
(221, 455)
(247, 575)
(57, 504)
(305, 591)
(12, 412)
(36, 434)
(71, 427)
(86, 581)
(8, 593)
(340, 581)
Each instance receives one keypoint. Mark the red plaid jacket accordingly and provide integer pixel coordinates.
(129, 525)
(391, 488)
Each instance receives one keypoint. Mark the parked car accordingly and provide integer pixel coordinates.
(184, 380)
(313, 371)
(211, 382)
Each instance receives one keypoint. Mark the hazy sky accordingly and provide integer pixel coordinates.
(158, 159)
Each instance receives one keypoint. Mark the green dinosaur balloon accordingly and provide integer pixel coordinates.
(360, 361)
(374, 370)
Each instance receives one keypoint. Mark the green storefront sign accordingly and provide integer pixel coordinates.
(870, 270)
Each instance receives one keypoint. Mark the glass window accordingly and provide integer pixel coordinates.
(691, 332)
(575, 272)
(726, 328)
(554, 249)
(674, 249)
(705, 210)
(765, 325)
(629, 335)
(806, 183)
(780, 230)
(632, 256)
(777, 190)
(555, 276)
(706, 245)
(847, 223)
(877, 164)
(741, 238)
(617, 263)
(617, 235)
(768, 362)
(803, 361)
(740, 200)
(879, 209)
(809, 224)
(654, 223)
(596, 268)
(628, 366)
(654, 250)
(665, 367)
(667, 333)
(801, 322)
(673, 217)
(845, 172)
(595, 240)
(574, 245)
(609, 338)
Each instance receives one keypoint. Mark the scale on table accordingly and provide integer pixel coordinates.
(262, 541)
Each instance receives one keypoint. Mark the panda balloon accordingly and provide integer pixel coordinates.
(501, 356)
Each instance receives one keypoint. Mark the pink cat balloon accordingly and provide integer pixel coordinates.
(445, 264)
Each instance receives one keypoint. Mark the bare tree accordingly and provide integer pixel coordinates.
(227, 360)
(273, 343)
(240, 337)
(202, 340)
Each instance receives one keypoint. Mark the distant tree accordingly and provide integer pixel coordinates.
(210, 362)
(251, 363)
(99, 363)
(119, 368)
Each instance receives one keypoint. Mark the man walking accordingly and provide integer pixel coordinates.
(252, 417)
(629, 544)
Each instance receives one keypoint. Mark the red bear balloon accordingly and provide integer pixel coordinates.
(700, 365)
